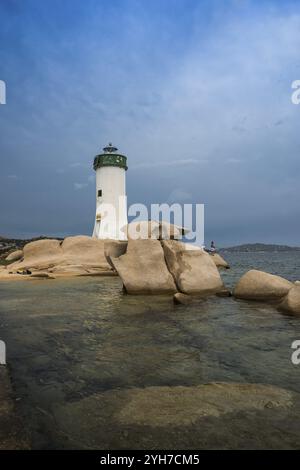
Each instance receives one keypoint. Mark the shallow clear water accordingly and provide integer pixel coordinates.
(69, 339)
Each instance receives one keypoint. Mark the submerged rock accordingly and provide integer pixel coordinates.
(259, 285)
(13, 432)
(143, 269)
(291, 302)
(192, 268)
(212, 415)
(179, 406)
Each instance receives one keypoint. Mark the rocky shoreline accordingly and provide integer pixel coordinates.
(151, 266)
(159, 264)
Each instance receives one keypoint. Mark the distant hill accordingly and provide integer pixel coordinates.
(258, 247)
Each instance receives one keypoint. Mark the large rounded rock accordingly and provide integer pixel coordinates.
(14, 256)
(143, 269)
(291, 302)
(258, 285)
(40, 254)
(84, 250)
(192, 268)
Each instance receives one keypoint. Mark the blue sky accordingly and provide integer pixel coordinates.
(196, 93)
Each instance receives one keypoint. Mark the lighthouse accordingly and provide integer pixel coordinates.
(111, 200)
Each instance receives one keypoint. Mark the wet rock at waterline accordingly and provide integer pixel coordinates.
(41, 275)
(262, 286)
(224, 293)
(291, 302)
(182, 299)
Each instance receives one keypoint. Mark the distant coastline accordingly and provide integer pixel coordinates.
(259, 247)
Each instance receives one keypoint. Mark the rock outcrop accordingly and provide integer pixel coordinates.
(193, 269)
(74, 256)
(14, 256)
(143, 269)
(219, 261)
(259, 285)
(291, 302)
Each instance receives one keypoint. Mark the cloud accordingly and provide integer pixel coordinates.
(79, 186)
(172, 163)
(195, 98)
(12, 177)
(179, 196)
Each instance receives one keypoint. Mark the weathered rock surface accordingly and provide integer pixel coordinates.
(219, 261)
(15, 255)
(74, 256)
(291, 302)
(114, 249)
(40, 254)
(84, 250)
(258, 285)
(143, 269)
(192, 268)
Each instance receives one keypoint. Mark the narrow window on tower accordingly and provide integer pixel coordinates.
(99, 192)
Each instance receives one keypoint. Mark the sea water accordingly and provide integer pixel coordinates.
(69, 339)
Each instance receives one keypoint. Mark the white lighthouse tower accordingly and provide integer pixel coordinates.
(111, 200)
